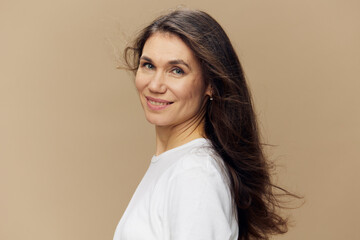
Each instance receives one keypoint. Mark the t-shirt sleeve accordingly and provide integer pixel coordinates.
(199, 205)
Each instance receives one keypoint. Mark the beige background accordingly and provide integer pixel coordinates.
(74, 143)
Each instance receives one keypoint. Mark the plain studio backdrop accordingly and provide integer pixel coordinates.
(74, 143)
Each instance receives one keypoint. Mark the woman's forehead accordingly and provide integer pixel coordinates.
(167, 47)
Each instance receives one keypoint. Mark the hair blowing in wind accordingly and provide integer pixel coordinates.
(229, 120)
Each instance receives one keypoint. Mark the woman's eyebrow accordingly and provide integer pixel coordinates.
(146, 58)
(179, 61)
(172, 62)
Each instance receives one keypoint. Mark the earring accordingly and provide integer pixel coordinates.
(211, 99)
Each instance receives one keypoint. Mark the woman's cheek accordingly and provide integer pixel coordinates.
(139, 82)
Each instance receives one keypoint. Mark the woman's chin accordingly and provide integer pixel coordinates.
(157, 122)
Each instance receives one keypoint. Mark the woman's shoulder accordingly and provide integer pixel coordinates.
(200, 160)
(198, 157)
(196, 196)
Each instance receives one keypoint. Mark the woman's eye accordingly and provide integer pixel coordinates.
(148, 65)
(178, 71)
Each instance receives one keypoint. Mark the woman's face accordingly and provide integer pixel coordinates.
(169, 81)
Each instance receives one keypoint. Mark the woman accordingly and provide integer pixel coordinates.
(209, 178)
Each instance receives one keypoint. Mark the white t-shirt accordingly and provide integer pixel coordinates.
(184, 195)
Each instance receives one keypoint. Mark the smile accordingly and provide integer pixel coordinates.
(157, 104)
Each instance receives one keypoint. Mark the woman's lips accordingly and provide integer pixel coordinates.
(157, 103)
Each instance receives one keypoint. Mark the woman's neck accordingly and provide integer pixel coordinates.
(170, 137)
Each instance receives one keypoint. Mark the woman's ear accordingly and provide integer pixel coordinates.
(209, 91)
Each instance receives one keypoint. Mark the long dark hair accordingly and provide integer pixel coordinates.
(229, 119)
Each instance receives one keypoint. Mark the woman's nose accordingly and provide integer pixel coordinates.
(157, 83)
